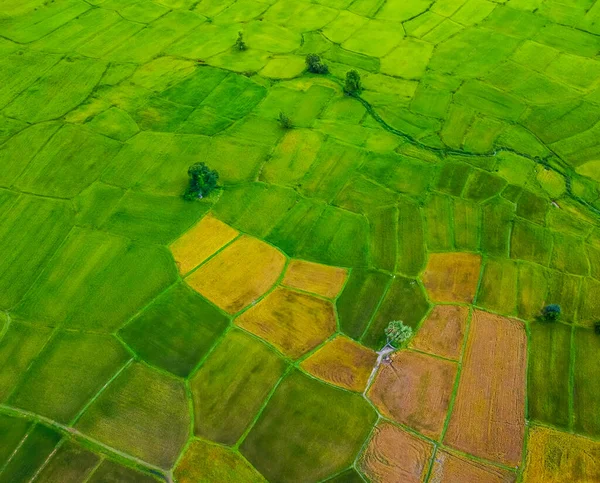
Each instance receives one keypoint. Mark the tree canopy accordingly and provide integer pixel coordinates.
(353, 85)
(203, 180)
(397, 333)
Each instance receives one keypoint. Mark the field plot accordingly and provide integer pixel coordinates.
(586, 395)
(238, 275)
(175, 331)
(395, 455)
(315, 278)
(70, 463)
(210, 462)
(292, 321)
(93, 269)
(31, 454)
(342, 362)
(13, 432)
(495, 346)
(29, 219)
(396, 306)
(452, 277)
(415, 389)
(20, 346)
(549, 372)
(231, 386)
(200, 242)
(443, 331)
(146, 336)
(308, 430)
(554, 456)
(454, 469)
(67, 373)
(144, 413)
(359, 300)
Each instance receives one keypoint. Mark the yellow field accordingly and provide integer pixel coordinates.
(238, 275)
(342, 362)
(293, 322)
(204, 239)
(452, 277)
(313, 277)
(556, 457)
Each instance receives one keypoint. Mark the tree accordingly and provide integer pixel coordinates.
(315, 65)
(597, 328)
(284, 121)
(397, 333)
(353, 85)
(551, 313)
(239, 43)
(203, 180)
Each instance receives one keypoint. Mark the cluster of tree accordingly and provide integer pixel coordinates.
(203, 181)
(551, 313)
(352, 86)
(315, 65)
(397, 333)
(239, 43)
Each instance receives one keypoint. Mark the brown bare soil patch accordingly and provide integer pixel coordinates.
(443, 332)
(488, 419)
(199, 243)
(293, 322)
(451, 468)
(342, 362)
(557, 457)
(240, 274)
(316, 278)
(394, 455)
(452, 277)
(415, 389)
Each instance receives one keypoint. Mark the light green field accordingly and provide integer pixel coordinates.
(477, 130)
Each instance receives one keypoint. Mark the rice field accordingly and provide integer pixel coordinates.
(145, 337)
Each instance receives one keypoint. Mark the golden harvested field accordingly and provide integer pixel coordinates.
(452, 277)
(555, 457)
(205, 238)
(415, 389)
(394, 455)
(451, 468)
(488, 418)
(291, 321)
(314, 277)
(239, 275)
(443, 331)
(342, 362)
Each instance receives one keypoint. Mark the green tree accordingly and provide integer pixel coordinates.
(239, 43)
(551, 313)
(353, 85)
(284, 121)
(397, 333)
(203, 181)
(315, 65)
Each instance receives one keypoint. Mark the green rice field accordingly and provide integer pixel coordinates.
(145, 337)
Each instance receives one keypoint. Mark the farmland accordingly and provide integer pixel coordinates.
(148, 337)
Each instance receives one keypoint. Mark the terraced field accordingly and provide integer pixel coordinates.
(234, 338)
